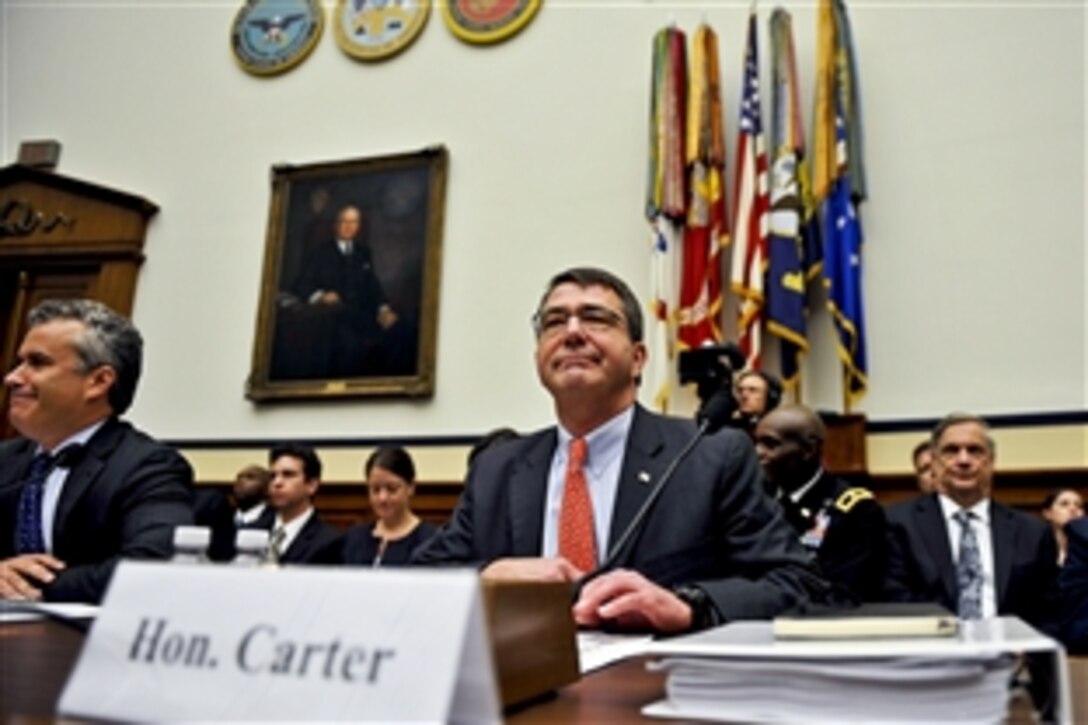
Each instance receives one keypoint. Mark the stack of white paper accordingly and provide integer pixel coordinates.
(920, 689)
(739, 672)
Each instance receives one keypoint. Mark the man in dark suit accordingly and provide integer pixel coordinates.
(964, 550)
(551, 505)
(298, 535)
(842, 525)
(1073, 582)
(81, 488)
(338, 276)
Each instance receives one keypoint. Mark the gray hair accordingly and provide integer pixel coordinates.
(107, 339)
(955, 419)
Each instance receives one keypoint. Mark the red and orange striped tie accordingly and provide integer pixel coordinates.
(576, 540)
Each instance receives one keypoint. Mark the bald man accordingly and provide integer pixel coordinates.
(842, 525)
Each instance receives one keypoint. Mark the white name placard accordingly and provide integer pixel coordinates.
(187, 642)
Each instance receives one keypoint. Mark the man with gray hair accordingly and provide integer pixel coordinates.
(81, 488)
(960, 548)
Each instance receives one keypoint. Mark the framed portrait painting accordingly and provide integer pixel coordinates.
(349, 293)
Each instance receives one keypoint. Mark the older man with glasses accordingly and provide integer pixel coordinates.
(554, 504)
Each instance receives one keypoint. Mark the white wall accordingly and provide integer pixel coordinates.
(975, 123)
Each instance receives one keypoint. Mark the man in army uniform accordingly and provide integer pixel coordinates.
(843, 526)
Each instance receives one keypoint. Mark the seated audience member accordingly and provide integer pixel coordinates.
(842, 525)
(923, 467)
(551, 505)
(251, 494)
(1059, 508)
(964, 550)
(81, 488)
(298, 535)
(1073, 581)
(389, 541)
(757, 394)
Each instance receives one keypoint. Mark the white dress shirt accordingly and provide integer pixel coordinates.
(606, 445)
(54, 483)
(250, 515)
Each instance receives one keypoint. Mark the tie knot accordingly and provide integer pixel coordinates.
(578, 451)
(964, 517)
(39, 465)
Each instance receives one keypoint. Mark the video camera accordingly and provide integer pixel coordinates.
(710, 368)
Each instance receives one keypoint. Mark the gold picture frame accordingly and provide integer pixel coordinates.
(349, 293)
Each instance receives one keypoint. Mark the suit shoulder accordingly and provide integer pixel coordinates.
(1078, 529)
(908, 510)
(14, 447)
(1023, 519)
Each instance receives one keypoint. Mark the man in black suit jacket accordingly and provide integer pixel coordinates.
(338, 275)
(842, 525)
(715, 548)
(298, 535)
(110, 491)
(1017, 551)
(1073, 582)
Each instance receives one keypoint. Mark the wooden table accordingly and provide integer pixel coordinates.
(36, 659)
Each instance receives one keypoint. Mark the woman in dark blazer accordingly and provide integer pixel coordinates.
(390, 540)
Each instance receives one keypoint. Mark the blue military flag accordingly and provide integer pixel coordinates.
(785, 284)
(838, 188)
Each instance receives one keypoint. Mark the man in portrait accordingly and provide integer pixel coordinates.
(338, 281)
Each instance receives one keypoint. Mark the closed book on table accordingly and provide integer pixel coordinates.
(914, 619)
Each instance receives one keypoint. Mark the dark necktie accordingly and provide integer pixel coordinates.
(28, 530)
(969, 569)
(576, 541)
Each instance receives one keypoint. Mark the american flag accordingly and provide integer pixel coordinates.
(752, 204)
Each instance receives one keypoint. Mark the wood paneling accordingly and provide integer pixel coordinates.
(345, 504)
(60, 238)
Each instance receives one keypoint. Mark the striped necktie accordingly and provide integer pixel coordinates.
(275, 544)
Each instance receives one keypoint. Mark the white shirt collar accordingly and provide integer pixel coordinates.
(950, 508)
(603, 442)
(80, 437)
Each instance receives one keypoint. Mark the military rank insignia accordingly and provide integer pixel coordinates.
(378, 29)
(488, 21)
(273, 36)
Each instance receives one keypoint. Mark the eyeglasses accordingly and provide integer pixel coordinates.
(592, 318)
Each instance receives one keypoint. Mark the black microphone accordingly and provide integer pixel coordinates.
(714, 414)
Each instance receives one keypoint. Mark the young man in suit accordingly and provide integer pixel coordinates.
(964, 550)
(298, 535)
(551, 505)
(842, 525)
(81, 488)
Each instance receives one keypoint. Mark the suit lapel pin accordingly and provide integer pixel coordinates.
(643, 477)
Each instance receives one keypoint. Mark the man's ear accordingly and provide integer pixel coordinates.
(98, 383)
